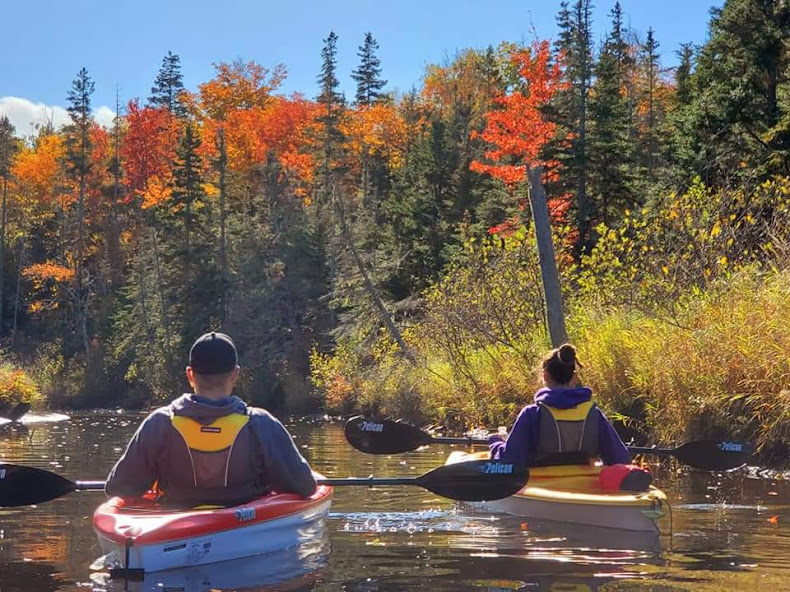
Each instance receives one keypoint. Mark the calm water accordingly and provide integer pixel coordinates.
(730, 531)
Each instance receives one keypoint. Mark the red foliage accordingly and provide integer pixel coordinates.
(517, 130)
(148, 149)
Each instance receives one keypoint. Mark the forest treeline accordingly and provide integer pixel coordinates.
(375, 252)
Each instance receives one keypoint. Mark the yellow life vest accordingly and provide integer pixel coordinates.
(567, 436)
(210, 446)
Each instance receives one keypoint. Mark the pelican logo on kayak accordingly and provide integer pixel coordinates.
(2, 473)
(497, 469)
(372, 426)
(245, 514)
(211, 429)
(730, 447)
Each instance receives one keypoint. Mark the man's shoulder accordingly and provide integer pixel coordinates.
(158, 416)
(261, 415)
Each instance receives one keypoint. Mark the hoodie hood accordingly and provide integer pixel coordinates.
(197, 407)
(563, 398)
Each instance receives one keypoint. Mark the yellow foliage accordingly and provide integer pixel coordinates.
(378, 130)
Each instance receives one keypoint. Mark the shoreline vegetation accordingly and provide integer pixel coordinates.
(376, 254)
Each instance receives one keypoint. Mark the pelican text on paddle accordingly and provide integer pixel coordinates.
(496, 469)
(371, 426)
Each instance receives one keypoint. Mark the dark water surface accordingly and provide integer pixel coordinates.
(730, 531)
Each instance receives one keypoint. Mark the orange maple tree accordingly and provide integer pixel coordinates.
(36, 171)
(378, 130)
(254, 135)
(148, 149)
(239, 85)
(517, 129)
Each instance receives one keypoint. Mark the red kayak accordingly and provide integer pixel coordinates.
(142, 534)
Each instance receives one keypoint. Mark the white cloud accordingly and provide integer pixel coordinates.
(26, 114)
(104, 116)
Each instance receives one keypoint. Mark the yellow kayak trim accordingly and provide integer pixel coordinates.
(645, 499)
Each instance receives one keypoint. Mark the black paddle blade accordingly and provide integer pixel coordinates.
(476, 480)
(714, 456)
(384, 436)
(16, 413)
(23, 486)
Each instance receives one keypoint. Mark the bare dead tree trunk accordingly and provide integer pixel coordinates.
(369, 287)
(552, 293)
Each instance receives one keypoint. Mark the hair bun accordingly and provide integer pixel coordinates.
(566, 354)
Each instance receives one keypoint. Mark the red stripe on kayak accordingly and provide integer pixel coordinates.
(147, 522)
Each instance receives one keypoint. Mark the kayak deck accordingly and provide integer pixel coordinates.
(159, 538)
(572, 494)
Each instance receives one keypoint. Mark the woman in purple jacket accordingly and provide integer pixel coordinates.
(563, 426)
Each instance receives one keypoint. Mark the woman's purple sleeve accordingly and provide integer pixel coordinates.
(520, 444)
(613, 451)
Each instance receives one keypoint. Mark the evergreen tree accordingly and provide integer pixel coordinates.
(610, 147)
(683, 89)
(8, 148)
(78, 166)
(332, 104)
(369, 84)
(169, 86)
(738, 120)
(570, 112)
(652, 68)
(617, 44)
(368, 74)
(198, 289)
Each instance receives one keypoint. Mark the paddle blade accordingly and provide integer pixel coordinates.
(23, 486)
(384, 436)
(476, 480)
(708, 455)
(16, 413)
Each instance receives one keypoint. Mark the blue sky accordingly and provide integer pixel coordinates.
(123, 42)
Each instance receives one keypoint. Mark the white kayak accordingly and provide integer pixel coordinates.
(141, 534)
(571, 494)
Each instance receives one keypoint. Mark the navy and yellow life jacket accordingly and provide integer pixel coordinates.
(210, 446)
(214, 461)
(567, 436)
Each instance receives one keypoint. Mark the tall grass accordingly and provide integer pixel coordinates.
(720, 369)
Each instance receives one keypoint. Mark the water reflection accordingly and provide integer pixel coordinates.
(729, 530)
(292, 569)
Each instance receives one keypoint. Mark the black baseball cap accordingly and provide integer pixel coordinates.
(213, 353)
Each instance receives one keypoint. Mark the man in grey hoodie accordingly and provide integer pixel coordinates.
(210, 447)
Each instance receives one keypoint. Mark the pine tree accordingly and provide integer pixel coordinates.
(570, 112)
(332, 104)
(198, 290)
(683, 90)
(187, 189)
(609, 145)
(169, 86)
(78, 166)
(8, 148)
(368, 74)
(652, 69)
(738, 120)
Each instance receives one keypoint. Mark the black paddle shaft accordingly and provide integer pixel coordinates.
(468, 481)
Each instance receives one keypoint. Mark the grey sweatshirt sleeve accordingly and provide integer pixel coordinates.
(136, 471)
(285, 468)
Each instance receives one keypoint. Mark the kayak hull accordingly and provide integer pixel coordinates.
(160, 539)
(570, 494)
